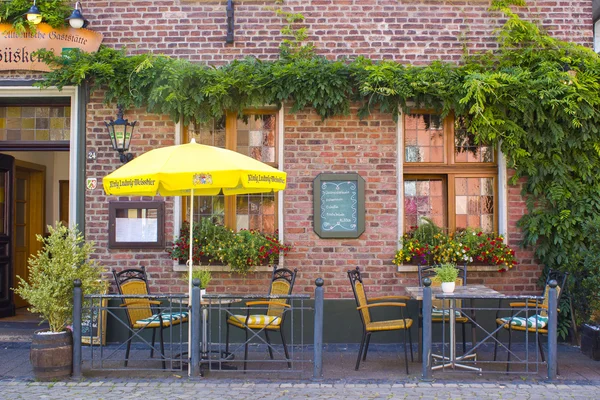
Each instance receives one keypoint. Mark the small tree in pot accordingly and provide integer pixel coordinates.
(63, 258)
(447, 274)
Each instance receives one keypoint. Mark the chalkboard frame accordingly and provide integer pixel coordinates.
(360, 226)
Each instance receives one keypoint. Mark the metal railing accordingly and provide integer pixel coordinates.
(157, 343)
(207, 348)
(523, 358)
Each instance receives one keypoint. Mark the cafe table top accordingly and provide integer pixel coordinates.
(466, 292)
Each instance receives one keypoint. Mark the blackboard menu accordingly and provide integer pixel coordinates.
(339, 205)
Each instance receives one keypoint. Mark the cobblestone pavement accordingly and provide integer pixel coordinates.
(239, 390)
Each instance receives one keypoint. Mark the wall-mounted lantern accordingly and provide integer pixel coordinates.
(120, 132)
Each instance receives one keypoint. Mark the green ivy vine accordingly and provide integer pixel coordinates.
(54, 13)
(536, 96)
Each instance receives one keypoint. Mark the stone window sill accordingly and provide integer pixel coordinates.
(217, 268)
(475, 268)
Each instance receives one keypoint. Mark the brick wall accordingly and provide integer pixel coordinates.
(408, 31)
(416, 31)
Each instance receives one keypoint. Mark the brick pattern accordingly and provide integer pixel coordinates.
(408, 31)
(416, 31)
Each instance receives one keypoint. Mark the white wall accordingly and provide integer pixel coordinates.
(57, 168)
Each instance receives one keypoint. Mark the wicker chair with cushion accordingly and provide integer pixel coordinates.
(282, 283)
(439, 313)
(144, 313)
(364, 306)
(520, 322)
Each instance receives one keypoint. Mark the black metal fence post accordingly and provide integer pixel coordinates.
(318, 340)
(77, 305)
(195, 321)
(552, 330)
(426, 351)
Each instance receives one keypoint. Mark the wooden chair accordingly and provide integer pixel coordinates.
(143, 313)
(282, 283)
(531, 323)
(441, 307)
(370, 326)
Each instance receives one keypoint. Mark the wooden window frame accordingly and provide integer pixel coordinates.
(113, 206)
(449, 170)
(230, 206)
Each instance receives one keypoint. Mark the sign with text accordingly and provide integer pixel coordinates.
(16, 49)
(339, 205)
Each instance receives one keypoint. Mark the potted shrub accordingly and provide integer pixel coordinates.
(203, 275)
(63, 258)
(447, 273)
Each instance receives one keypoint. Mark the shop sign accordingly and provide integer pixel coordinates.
(16, 48)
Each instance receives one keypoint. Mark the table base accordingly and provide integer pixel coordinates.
(448, 362)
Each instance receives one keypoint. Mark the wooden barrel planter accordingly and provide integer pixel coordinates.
(51, 355)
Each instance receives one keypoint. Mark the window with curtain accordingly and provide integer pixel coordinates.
(448, 178)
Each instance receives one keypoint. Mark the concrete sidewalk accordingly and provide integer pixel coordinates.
(240, 390)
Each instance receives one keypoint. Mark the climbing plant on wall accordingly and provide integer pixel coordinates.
(535, 96)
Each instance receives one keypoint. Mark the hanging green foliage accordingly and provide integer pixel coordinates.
(54, 13)
(538, 97)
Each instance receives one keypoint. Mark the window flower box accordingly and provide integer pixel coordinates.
(428, 244)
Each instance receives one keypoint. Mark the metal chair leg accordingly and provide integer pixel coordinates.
(285, 349)
(405, 351)
(367, 346)
(464, 337)
(128, 347)
(162, 349)
(541, 347)
(269, 346)
(419, 341)
(411, 345)
(496, 345)
(246, 350)
(227, 339)
(153, 341)
(509, 346)
(360, 350)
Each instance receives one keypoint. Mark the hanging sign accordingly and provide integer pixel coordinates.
(16, 48)
(339, 205)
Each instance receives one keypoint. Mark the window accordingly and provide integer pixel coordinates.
(448, 178)
(255, 135)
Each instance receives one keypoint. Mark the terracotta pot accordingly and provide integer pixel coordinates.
(51, 355)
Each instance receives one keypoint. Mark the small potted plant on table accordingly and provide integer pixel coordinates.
(203, 275)
(447, 274)
(49, 291)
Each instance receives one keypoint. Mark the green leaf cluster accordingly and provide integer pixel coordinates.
(64, 258)
(446, 272)
(54, 13)
(536, 97)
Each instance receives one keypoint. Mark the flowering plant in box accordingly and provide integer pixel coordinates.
(429, 244)
(241, 251)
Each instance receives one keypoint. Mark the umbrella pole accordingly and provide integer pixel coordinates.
(190, 269)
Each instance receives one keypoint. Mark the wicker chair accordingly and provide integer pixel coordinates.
(282, 283)
(531, 323)
(439, 313)
(143, 313)
(370, 326)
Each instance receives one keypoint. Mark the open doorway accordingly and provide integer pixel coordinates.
(35, 135)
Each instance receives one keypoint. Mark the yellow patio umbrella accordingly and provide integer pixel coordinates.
(193, 169)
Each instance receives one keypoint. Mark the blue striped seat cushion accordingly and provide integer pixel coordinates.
(167, 318)
(532, 322)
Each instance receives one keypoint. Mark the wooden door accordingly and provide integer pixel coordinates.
(7, 306)
(29, 219)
